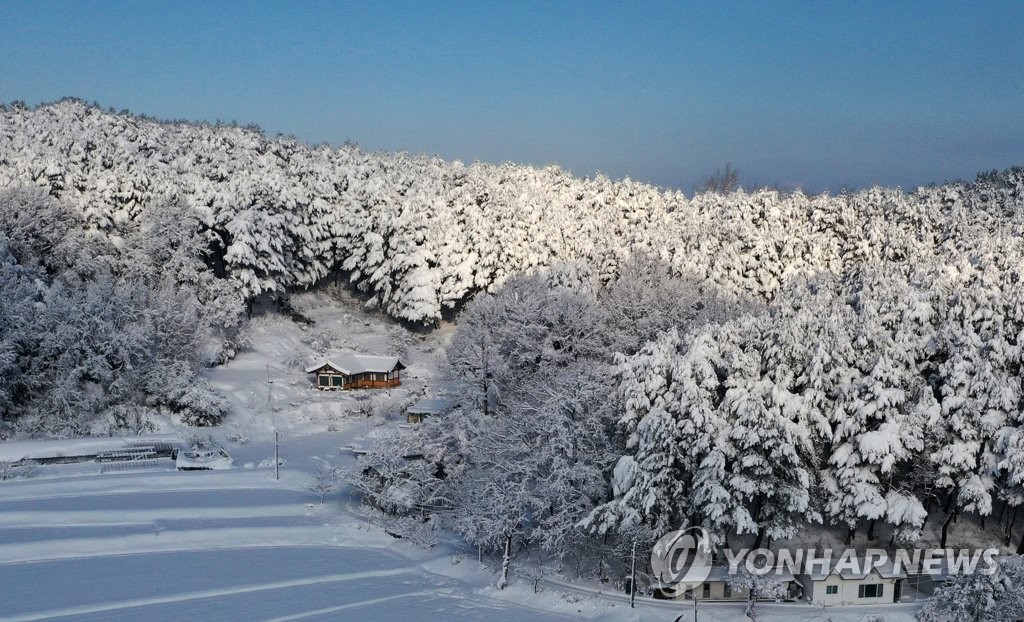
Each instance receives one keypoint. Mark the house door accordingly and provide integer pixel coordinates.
(897, 591)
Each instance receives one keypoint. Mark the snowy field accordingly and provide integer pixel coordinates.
(234, 545)
(239, 545)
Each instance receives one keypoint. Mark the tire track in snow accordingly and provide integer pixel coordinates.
(157, 500)
(167, 541)
(354, 605)
(74, 518)
(232, 480)
(171, 599)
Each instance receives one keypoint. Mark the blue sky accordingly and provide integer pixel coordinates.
(811, 94)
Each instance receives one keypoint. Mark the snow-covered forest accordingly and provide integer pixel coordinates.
(97, 333)
(628, 357)
(420, 235)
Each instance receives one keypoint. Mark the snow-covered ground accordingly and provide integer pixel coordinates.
(239, 545)
(234, 545)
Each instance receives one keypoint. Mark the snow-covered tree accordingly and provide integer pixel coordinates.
(326, 479)
(979, 596)
(758, 586)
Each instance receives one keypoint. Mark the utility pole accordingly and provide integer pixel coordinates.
(270, 383)
(270, 407)
(277, 460)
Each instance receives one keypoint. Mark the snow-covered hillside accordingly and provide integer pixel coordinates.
(421, 235)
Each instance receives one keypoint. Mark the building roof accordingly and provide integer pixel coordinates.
(15, 451)
(429, 407)
(721, 573)
(349, 364)
(939, 568)
(885, 569)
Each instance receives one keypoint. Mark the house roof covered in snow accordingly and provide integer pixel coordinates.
(721, 573)
(944, 568)
(429, 407)
(349, 364)
(857, 569)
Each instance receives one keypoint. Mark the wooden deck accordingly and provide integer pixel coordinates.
(373, 384)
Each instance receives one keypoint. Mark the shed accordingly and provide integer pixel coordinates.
(928, 578)
(357, 371)
(427, 408)
(717, 587)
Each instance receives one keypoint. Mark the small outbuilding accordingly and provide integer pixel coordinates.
(357, 371)
(426, 408)
(718, 587)
(927, 580)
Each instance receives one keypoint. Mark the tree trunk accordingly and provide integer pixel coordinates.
(506, 558)
(1009, 527)
(871, 530)
(945, 529)
(760, 537)
(632, 577)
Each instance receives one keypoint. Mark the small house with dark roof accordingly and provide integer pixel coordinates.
(357, 371)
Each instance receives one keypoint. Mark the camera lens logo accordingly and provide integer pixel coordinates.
(681, 560)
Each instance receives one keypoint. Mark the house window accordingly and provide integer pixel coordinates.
(832, 589)
(707, 591)
(727, 590)
(337, 381)
(324, 381)
(871, 590)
